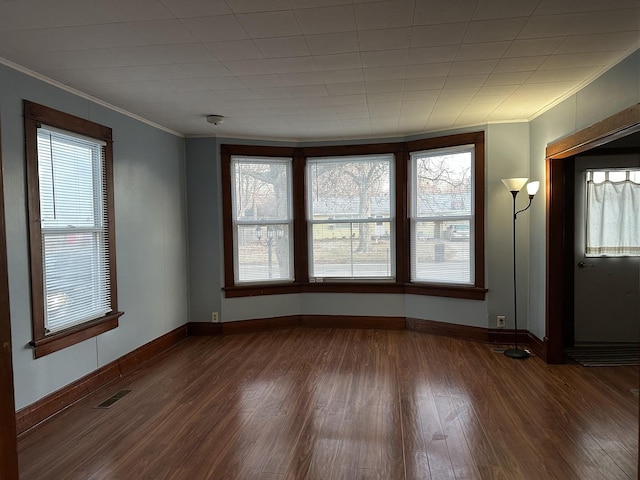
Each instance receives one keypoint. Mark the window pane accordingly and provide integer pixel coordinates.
(261, 189)
(442, 183)
(76, 278)
(350, 187)
(442, 233)
(617, 176)
(597, 177)
(352, 250)
(67, 167)
(445, 258)
(350, 209)
(264, 253)
(263, 219)
(73, 228)
(612, 215)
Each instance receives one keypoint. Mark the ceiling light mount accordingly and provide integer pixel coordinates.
(215, 119)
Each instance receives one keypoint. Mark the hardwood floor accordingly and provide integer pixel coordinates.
(345, 404)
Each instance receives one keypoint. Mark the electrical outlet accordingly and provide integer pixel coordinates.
(214, 317)
(500, 321)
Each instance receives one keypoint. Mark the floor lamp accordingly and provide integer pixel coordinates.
(514, 185)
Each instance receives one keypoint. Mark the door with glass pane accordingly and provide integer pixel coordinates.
(607, 248)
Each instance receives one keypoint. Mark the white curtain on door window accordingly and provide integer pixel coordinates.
(613, 213)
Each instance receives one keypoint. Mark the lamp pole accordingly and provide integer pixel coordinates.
(515, 352)
(514, 185)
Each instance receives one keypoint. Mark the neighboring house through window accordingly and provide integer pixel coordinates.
(72, 244)
(350, 206)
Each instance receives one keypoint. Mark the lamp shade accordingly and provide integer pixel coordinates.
(514, 184)
(532, 188)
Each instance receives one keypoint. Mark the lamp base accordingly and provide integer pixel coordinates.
(516, 353)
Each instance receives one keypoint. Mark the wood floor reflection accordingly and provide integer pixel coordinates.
(345, 404)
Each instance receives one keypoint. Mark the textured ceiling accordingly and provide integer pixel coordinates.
(321, 69)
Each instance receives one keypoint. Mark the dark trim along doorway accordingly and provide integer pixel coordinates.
(559, 162)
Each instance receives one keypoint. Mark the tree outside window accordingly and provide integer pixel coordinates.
(262, 217)
(350, 205)
(442, 216)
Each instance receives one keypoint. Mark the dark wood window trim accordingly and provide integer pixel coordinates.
(401, 150)
(477, 291)
(34, 115)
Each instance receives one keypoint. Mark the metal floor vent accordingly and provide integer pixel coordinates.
(113, 399)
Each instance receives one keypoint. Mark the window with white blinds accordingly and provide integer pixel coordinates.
(442, 216)
(351, 217)
(74, 229)
(262, 219)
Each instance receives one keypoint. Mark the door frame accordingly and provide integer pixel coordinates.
(559, 219)
(8, 440)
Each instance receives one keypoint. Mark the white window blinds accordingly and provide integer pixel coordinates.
(442, 216)
(351, 217)
(262, 219)
(74, 231)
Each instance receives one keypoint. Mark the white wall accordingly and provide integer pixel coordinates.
(151, 237)
(205, 229)
(507, 157)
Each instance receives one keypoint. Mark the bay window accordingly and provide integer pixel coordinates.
(401, 217)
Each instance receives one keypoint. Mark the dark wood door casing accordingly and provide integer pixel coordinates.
(8, 448)
(559, 163)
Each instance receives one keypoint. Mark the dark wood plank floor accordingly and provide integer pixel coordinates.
(345, 404)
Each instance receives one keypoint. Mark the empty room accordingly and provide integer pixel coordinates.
(323, 239)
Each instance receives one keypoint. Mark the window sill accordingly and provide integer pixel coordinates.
(71, 336)
(464, 292)
(452, 291)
